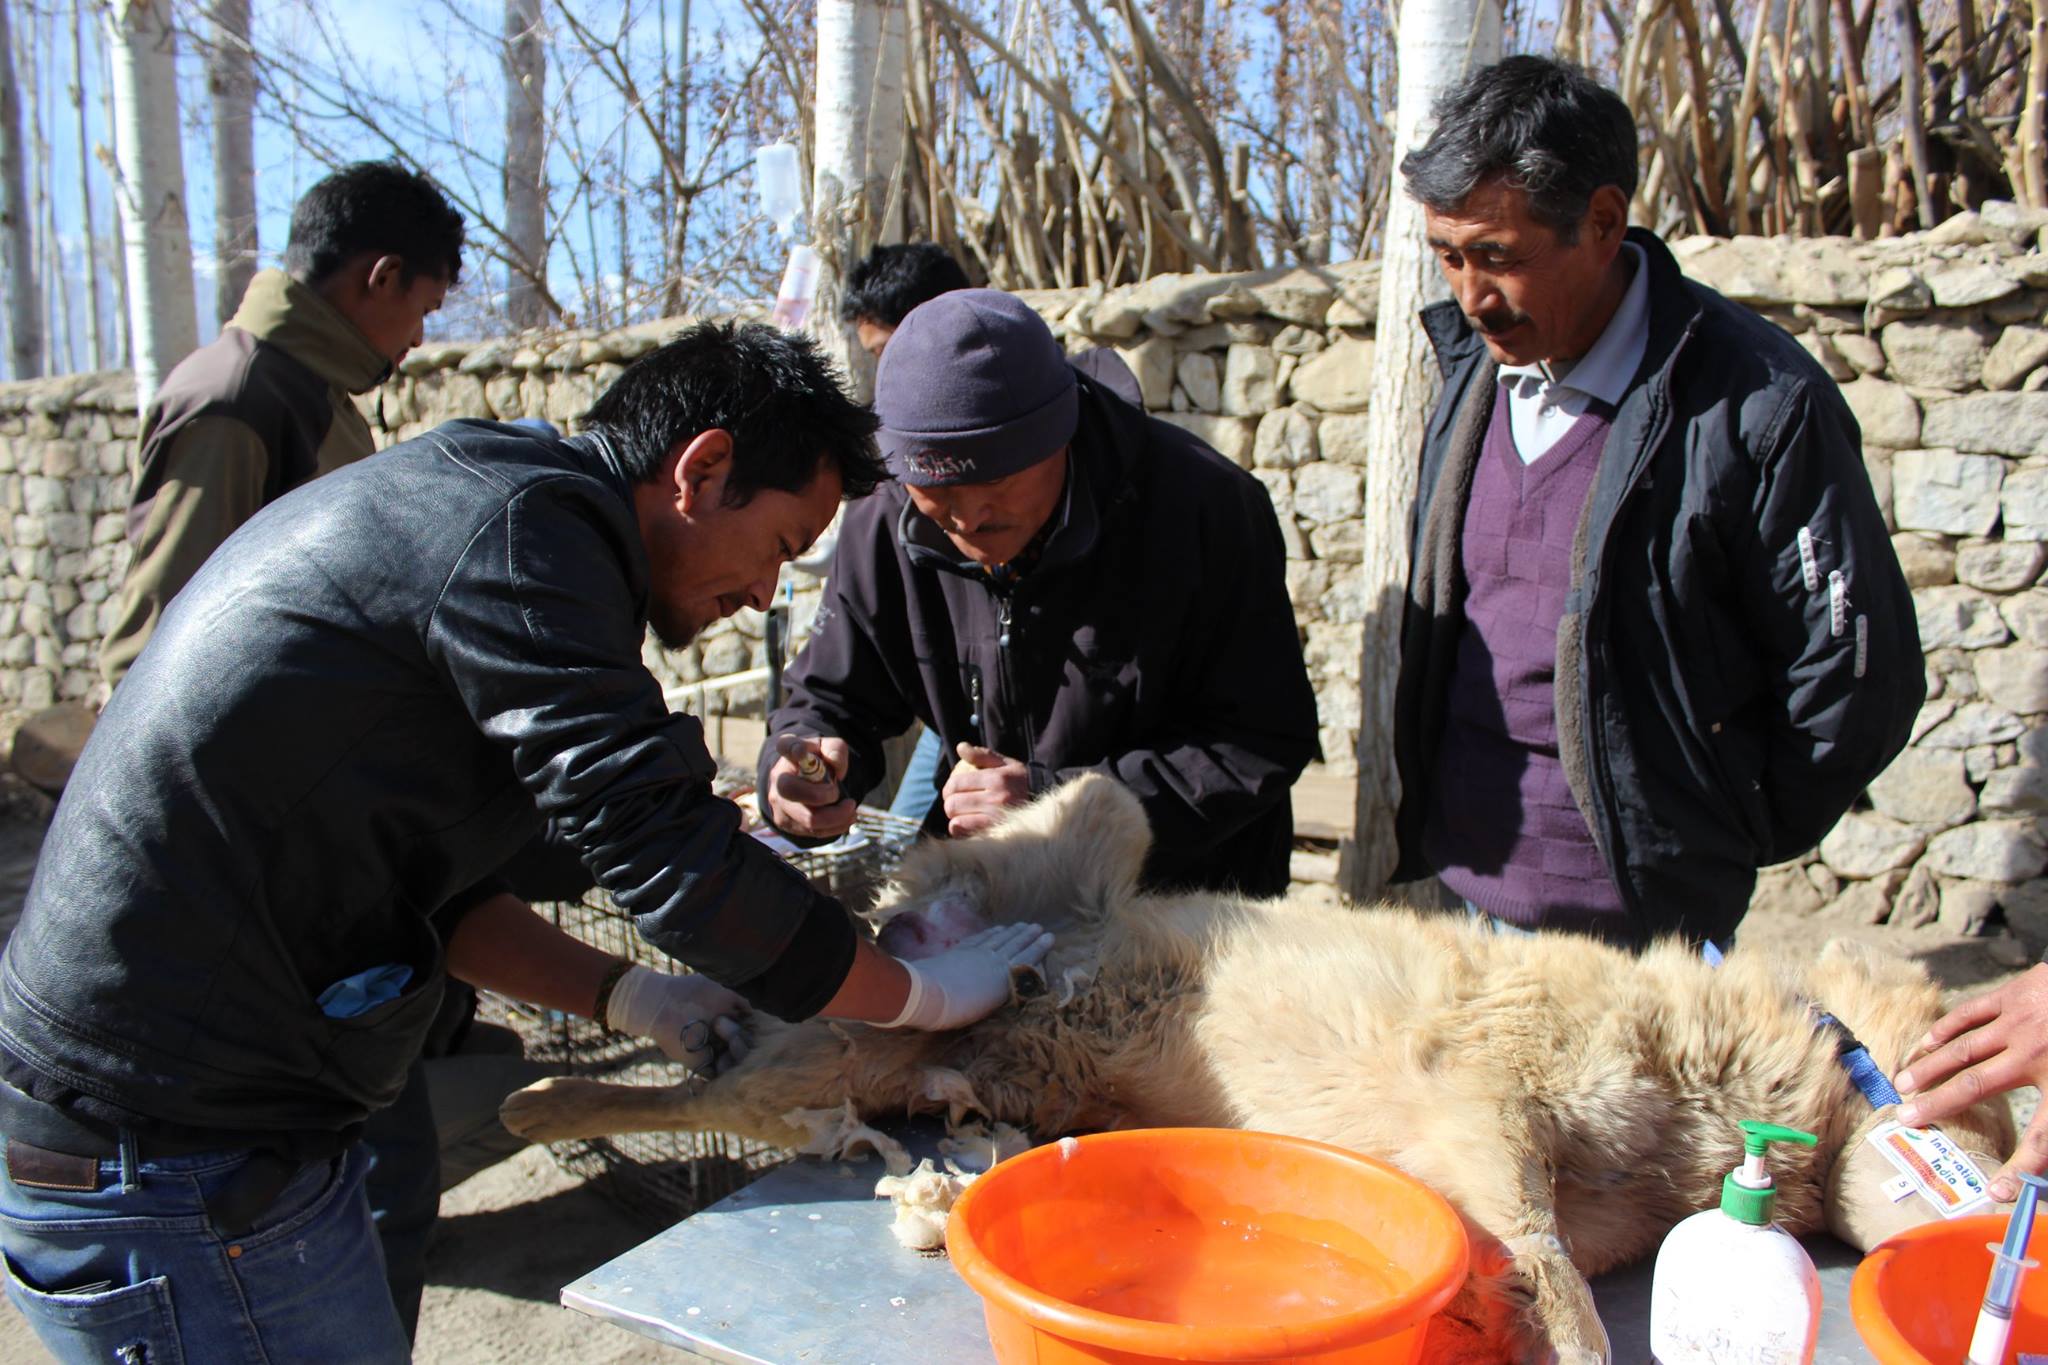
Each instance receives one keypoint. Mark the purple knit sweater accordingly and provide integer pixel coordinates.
(1504, 832)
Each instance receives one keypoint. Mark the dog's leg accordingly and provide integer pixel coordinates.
(1521, 1269)
(563, 1108)
(816, 1065)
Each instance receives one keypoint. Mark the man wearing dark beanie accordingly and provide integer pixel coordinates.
(1056, 583)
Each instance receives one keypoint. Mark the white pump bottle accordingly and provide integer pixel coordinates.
(1732, 1287)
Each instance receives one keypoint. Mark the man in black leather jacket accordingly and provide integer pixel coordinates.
(282, 835)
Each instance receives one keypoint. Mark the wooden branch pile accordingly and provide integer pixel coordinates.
(1861, 117)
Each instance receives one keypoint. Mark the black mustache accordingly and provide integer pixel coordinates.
(1497, 322)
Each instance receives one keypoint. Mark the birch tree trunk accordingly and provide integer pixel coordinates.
(1441, 42)
(150, 188)
(526, 184)
(17, 242)
(95, 340)
(856, 155)
(233, 94)
(58, 328)
(116, 249)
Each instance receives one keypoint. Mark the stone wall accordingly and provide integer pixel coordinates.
(64, 450)
(1940, 341)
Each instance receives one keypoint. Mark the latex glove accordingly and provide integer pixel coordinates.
(1981, 1048)
(690, 1017)
(804, 795)
(982, 785)
(971, 981)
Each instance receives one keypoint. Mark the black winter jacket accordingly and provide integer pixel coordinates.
(1153, 642)
(1723, 694)
(361, 706)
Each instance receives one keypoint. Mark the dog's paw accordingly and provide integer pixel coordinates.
(552, 1110)
(1561, 1314)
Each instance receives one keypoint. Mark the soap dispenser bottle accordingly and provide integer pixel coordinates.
(1731, 1285)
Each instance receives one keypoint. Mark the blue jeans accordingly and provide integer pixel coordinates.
(133, 1273)
(403, 1188)
(921, 784)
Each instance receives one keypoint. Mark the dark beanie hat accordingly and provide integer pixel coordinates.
(973, 387)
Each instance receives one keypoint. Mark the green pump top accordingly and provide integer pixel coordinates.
(1747, 1194)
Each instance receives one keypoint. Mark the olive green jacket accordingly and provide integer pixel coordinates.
(238, 423)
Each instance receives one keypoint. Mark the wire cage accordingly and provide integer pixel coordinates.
(666, 1176)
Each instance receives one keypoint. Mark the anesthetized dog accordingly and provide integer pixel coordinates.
(1571, 1100)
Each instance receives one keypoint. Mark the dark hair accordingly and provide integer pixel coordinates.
(895, 279)
(1553, 131)
(378, 207)
(774, 391)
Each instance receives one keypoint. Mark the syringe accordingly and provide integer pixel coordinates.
(2008, 1262)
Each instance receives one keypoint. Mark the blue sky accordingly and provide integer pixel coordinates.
(423, 66)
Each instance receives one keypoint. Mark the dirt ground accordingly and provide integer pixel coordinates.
(512, 1235)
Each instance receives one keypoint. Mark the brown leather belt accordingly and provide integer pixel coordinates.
(48, 1149)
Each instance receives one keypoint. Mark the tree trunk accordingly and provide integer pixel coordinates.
(1913, 106)
(1441, 41)
(50, 261)
(886, 127)
(526, 183)
(17, 243)
(859, 111)
(95, 340)
(150, 188)
(234, 155)
(1326, 38)
(116, 248)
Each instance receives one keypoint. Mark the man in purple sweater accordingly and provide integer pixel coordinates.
(1655, 636)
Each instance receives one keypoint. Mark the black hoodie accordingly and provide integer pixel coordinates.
(1152, 641)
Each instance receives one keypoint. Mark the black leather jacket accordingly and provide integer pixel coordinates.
(361, 706)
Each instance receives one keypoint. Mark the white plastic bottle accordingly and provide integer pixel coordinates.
(799, 289)
(1732, 1287)
(776, 171)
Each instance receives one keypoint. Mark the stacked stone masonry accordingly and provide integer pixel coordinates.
(1939, 340)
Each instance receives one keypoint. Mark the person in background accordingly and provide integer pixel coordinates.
(1055, 583)
(1983, 1047)
(1655, 637)
(880, 293)
(889, 282)
(283, 838)
(269, 403)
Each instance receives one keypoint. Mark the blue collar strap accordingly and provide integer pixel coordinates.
(1864, 1072)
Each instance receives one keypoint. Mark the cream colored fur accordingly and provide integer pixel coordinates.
(1572, 1101)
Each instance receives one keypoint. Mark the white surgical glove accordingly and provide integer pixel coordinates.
(970, 981)
(690, 1017)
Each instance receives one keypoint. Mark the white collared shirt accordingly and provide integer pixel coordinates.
(1542, 408)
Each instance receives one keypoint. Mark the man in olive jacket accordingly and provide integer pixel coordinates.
(269, 403)
(1656, 636)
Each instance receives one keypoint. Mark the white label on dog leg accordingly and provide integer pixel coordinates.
(1941, 1171)
(1897, 1188)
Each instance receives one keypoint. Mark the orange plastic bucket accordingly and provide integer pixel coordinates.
(1915, 1297)
(1205, 1244)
